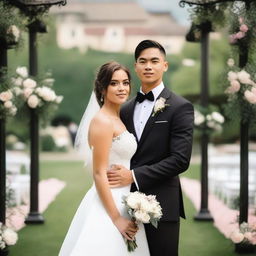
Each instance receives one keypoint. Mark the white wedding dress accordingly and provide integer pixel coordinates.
(92, 233)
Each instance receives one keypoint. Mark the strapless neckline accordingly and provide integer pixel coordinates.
(117, 137)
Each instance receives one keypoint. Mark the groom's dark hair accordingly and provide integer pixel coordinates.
(148, 44)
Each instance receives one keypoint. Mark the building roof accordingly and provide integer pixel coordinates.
(101, 12)
(130, 15)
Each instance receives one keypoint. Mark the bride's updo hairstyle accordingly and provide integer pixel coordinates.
(104, 77)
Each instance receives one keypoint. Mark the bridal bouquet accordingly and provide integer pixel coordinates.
(7, 237)
(142, 208)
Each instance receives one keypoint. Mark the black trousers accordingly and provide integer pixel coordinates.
(163, 240)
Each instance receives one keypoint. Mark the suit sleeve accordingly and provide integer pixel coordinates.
(180, 147)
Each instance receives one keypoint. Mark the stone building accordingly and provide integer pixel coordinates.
(115, 27)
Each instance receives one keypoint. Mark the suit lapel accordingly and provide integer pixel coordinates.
(165, 94)
(130, 112)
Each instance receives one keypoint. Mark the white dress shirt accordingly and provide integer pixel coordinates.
(141, 115)
(143, 110)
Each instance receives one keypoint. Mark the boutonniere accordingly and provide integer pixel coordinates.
(159, 106)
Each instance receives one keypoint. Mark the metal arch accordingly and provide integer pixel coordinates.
(183, 3)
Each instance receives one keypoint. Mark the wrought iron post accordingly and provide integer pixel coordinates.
(34, 216)
(3, 63)
(244, 154)
(204, 213)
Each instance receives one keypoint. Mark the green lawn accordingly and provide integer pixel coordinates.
(197, 238)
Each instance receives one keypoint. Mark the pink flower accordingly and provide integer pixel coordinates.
(235, 87)
(239, 35)
(237, 237)
(244, 28)
(250, 96)
(248, 236)
(232, 39)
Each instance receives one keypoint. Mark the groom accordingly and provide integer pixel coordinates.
(162, 123)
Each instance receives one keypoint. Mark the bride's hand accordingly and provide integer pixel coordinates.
(126, 227)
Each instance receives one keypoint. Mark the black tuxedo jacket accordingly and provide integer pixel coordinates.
(163, 152)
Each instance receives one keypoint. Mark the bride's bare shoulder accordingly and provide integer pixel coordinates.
(101, 124)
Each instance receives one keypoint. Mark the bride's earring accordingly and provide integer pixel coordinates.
(101, 98)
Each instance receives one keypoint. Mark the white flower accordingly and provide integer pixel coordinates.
(49, 81)
(59, 99)
(17, 91)
(237, 236)
(33, 101)
(13, 111)
(9, 236)
(159, 105)
(250, 96)
(244, 77)
(6, 95)
(142, 216)
(14, 31)
(218, 117)
(145, 205)
(232, 76)
(22, 71)
(8, 104)
(248, 236)
(231, 62)
(17, 81)
(199, 118)
(27, 92)
(29, 83)
(133, 200)
(188, 62)
(47, 94)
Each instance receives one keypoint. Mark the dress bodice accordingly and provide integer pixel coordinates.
(123, 148)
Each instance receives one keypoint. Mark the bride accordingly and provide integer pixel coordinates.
(101, 224)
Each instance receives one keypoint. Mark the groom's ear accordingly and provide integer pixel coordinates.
(166, 64)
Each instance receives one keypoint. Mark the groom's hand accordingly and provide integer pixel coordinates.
(119, 176)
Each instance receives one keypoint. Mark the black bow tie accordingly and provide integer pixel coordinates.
(141, 97)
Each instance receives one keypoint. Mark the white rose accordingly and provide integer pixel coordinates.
(33, 101)
(199, 118)
(17, 81)
(14, 31)
(145, 206)
(6, 95)
(244, 77)
(133, 200)
(22, 71)
(209, 117)
(49, 81)
(17, 91)
(47, 94)
(27, 92)
(232, 76)
(211, 124)
(231, 62)
(59, 99)
(142, 216)
(8, 104)
(248, 236)
(237, 237)
(218, 117)
(10, 237)
(157, 212)
(250, 96)
(29, 83)
(13, 111)
(160, 104)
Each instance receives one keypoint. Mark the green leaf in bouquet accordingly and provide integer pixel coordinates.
(154, 222)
